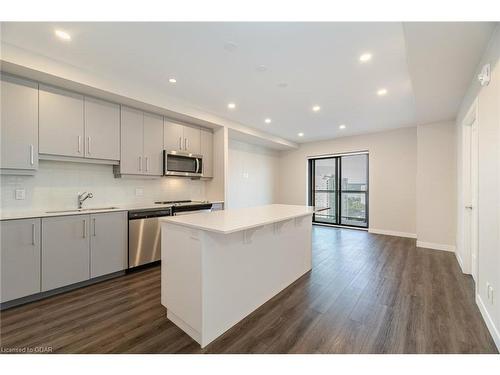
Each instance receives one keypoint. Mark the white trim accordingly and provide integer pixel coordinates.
(461, 263)
(338, 154)
(392, 233)
(489, 322)
(436, 246)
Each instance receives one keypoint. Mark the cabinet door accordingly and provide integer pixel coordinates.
(102, 129)
(173, 136)
(132, 141)
(65, 250)
(20, 258)
(153, 144)
(192, 139)
(108, 243)
(60, 122)
(19, 123)
(207, 150)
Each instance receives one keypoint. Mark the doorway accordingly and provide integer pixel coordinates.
(338, 187)
(470, 193)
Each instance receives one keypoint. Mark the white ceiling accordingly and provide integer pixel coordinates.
(426, 68)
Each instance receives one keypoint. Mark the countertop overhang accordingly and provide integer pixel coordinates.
(235, 220)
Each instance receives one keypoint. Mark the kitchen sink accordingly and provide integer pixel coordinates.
(82, 210)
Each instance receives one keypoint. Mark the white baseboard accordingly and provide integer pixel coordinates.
(489, 322)
(461, 263)
(435, 246)
(392, 233)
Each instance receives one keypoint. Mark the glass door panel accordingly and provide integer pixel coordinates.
(325, 190)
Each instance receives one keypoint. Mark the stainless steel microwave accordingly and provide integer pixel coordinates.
(182, 164)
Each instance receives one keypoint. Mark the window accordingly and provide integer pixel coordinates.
(339, 188)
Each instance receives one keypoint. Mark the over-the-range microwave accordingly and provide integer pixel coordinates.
(181, 164)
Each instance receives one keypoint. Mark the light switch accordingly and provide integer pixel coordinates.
(20, 194)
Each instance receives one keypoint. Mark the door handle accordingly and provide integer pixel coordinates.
(79, 144)
(33, 234)
(197, 165)
(32, 155)
(84, 228)
(468, 207)
(93, 224)
(140, 163)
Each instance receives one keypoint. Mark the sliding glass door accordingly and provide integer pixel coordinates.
(338, 186)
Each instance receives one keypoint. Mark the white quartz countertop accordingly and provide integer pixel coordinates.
(12, 215)
(235, 220)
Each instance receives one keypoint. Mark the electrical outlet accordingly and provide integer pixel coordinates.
(139, 192)
(489, 292)
(20, 194)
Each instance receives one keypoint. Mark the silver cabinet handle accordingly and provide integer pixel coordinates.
(186, 144)
(140, 163)
(33, 234)
(180, 143)
(88, 145)
(84, 228)
(79, 144)
(93, 224)
(468, 207)
(32, 155)
(147, 163)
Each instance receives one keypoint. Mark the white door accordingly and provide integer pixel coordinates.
(470, 174)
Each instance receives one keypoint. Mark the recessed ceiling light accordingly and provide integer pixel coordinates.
(231, 106)
(261, 68)
(282, 85)
(342, 126)
(230, 46)
(382, 92)
(365, 57)
(316, 108)
(62, 35)
(267, 120)
(172, 80)
(300, 134)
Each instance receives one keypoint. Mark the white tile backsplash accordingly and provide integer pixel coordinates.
(57, 184)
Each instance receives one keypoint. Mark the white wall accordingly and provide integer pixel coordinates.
(56, 185)
(393, 167)
(252, 175)
(436, 185)
(489, 185)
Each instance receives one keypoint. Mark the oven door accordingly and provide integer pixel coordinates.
(176, 164)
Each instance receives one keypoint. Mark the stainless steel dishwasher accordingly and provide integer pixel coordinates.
(144, 236)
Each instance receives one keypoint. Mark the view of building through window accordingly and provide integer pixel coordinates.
(339, 187)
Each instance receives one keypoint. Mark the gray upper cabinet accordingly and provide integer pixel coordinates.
(102, 129)
(207, 150)
(153, 144)
(181, 138)
(108, 243)
(173, 136)
(19, 124)
(19, 258)
(141, 143)
(192, 139)
(61, 127)
(65, 250)
(132, 141)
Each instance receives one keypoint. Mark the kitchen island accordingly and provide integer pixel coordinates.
(218, 267)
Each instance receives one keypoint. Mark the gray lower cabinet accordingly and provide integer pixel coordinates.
(18, 124)
(65, 250)
(19, 258)
(108, 243)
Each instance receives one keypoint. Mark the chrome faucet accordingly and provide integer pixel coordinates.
(83, 197)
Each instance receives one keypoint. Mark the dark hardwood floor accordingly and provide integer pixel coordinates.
(366, 294)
